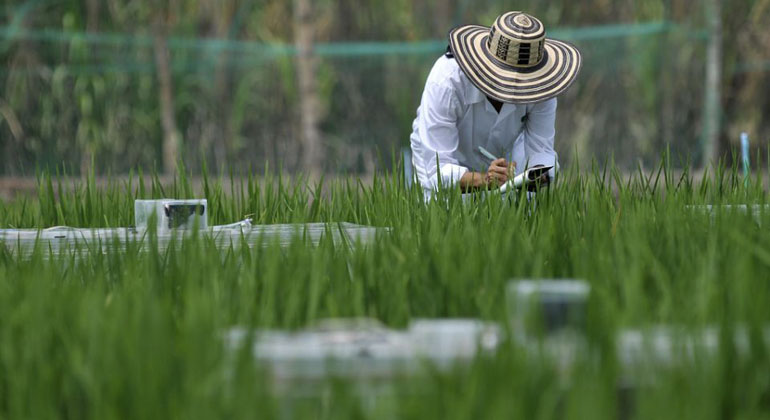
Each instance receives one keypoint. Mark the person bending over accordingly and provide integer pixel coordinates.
(494, 90)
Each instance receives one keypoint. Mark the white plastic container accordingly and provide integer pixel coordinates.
(170, 214)
(547, 306)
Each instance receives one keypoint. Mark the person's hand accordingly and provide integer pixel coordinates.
(542, 181)
(499, 172)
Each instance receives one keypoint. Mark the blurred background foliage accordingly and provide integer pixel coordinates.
(111, 85)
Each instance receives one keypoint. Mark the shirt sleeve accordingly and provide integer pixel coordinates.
(437, 125)
(539, 135)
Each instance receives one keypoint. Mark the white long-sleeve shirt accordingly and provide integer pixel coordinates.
(455, 118)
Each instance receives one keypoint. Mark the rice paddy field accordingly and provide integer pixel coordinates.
(138, 333)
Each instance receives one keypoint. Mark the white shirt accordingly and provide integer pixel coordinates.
(455, 118)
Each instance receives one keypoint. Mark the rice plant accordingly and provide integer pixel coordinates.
(138, 333)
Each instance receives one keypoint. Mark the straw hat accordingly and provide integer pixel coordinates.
(513, 61)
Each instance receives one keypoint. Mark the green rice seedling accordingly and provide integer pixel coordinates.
(98, 332)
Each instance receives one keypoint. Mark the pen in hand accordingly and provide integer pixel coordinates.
(486, 153)
(529, 178)
(495, 162)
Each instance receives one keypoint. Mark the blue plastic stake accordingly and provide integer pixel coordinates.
(406, 154)
(745, 155)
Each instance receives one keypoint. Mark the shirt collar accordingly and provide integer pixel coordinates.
(472, 94)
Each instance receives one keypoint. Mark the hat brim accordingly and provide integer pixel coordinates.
(556, 72)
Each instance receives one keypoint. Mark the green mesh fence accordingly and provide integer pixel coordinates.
(93, 97)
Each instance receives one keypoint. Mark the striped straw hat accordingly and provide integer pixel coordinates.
(513, 61)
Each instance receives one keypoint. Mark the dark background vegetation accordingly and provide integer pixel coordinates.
(111, 85)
